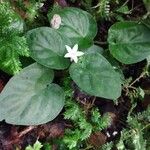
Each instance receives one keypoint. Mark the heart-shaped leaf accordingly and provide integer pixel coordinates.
(78, 25)
(129, 42)
(29, 98)
(146, 22)
(94, 75)
(93, 49)
(47, 47)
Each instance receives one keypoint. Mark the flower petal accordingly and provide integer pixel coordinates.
(75, 48)
(79, 53)
(69, 49)
(67, 55)
(75, 59)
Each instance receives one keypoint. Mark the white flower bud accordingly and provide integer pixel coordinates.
(55, 21)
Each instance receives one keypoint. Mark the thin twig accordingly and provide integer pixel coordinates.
(125, 2)
(27, 130)
(137, 79)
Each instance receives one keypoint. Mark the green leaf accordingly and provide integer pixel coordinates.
(37, 146)
(17, 24)
(78, 25)
(139, 141)
(12, 44)
(71, 139)
(107, 146)
(129, 42)
(47, 47)
(141, 93)
(123, 9)
(147, 5)
(12, 47)
(120, 145)
(146, 21)
(94, 48)
(29, 98)
(47, 146)
(148, 60)
(94, 75)
(9, 19)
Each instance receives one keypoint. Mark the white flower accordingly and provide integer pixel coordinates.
(55, 21)
(73, 53)
(115, 133)
(108, 135)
